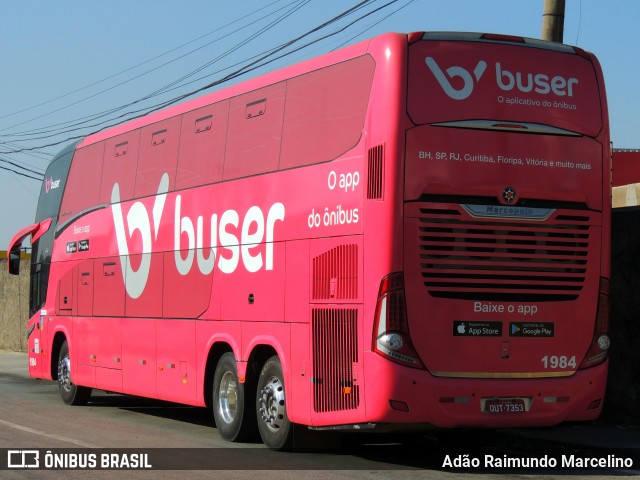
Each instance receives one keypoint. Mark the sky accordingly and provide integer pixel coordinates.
(66, 64)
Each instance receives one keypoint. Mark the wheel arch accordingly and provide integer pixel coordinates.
(261, 347)
(58, 340)
(216, 350)
(259, 355)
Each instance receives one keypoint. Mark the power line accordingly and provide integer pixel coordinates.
(258, 61)
(38, 155)
(244, 17)
(91, 117)
(299, 4)
(4, 160)
(255, 65)
(22, 174)
(266, 54)
(373, 25)
(234, 48)
(28, 190)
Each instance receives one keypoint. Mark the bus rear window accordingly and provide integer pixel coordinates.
(452, 81)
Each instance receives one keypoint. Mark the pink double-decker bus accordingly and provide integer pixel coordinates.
(410, 232)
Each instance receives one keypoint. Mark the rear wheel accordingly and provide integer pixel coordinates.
(229, 402)
(275, 428)
(71, 394)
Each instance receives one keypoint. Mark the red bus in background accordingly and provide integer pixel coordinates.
(406, 233)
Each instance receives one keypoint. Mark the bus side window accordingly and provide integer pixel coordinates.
(325, 112)
(120, 166)
(83, 185)
(255, 131)
(38, 290)
(202, 143)
(158, 155)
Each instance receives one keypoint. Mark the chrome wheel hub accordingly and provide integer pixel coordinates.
(228, 397)
(271, 404)
(64, 373)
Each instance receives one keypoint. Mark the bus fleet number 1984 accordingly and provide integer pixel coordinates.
(553, 361)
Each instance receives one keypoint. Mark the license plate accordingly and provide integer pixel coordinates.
(501, 406)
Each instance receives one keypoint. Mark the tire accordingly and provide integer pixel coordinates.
(71, 393)
(234, 422)
(274, 426)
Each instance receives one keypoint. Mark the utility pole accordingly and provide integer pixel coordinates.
(553, 20)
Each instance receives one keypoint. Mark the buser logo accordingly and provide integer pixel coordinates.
(539, 82)
(51, 184)
(234, 238)
(452, 72)
(506, 80)
(137, 219)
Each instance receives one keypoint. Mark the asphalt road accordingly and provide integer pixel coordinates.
(32, 416)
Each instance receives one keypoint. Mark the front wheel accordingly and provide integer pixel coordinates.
(275, 428)
(71, 393)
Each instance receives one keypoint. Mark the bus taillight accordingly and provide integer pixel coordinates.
(391, 328)
(601, 342)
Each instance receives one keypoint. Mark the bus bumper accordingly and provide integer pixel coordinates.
(396, 394)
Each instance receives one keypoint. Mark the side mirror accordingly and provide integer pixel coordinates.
(14, 262)
(36, 231)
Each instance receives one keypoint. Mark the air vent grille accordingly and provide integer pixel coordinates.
(335, 274)
(335, 358)
(375, 173)
(508, 259)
